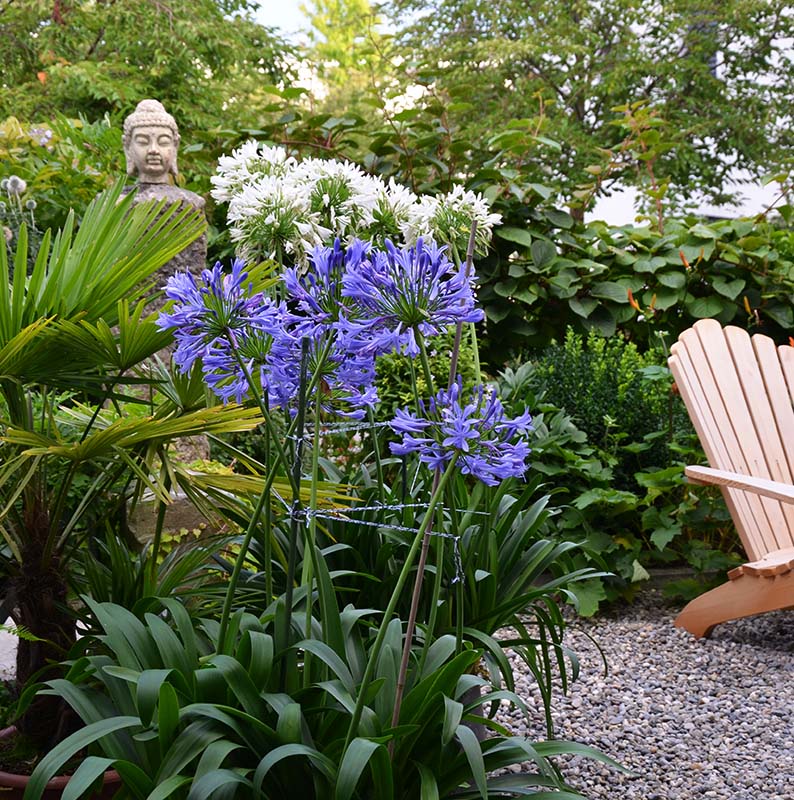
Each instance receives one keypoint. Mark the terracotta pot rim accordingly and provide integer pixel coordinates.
(16, 781)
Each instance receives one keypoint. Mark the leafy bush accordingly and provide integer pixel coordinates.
(621, 398)
(65, 163)
(545, 273)
(657, 519)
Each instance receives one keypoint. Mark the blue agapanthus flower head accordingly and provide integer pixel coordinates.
(315, 293)
(344, 381)
(488, 446)
(401, 291)
(216, 319)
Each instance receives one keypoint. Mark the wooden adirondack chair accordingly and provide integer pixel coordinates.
(739, 393)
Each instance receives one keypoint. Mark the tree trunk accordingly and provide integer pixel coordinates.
(40, 591)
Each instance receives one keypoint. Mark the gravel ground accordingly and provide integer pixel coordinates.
(690, 718)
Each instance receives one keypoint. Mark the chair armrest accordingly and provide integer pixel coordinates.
(735, 480)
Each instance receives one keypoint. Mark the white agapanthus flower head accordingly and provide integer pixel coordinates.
(272, 217)
(448, 219)
(281, 207)
(392, 212)
(341, 194)
(245, 165)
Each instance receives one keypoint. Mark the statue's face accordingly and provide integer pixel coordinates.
(153, 153)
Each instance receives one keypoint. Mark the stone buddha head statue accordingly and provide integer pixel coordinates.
(151, 139)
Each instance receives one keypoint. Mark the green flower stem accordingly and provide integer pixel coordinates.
(431, 621)
(309, 555)
(425, 361)
(414, 389)
(453, 364)
(267, 542)
(291, 431)
(415, 597)
(258, 399)
(373, 432)
(453, 361)
(420, 537)
(296, 510)
(234, 579)
(459, 616)
(472, 330)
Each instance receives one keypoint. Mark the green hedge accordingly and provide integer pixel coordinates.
(545, 274)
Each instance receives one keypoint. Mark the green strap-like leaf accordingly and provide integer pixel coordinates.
(453, 713)
(167, 715)
(285, 751)
(169, 787)
(212, 781)
(85, 775)
(358, 755)
(187, 746)
(471, 748)
(54, 760)
(429, 786)
(147, 692)
(331, 659)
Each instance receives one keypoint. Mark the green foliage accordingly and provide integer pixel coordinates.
(546, 274)
(561, 68)
(656, 518)
(396, 373)
(66, 163)
(343, 50)
(76, 327)
(622, 399)
(115, 570)
(84, 58)
(172, 714)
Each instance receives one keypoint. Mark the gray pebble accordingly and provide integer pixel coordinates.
(690, 718)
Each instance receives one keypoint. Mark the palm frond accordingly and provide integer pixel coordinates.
(83, 275)
(107, 437)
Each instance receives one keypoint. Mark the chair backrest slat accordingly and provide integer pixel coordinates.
(756, 376)
(691, 368)
(739, 396)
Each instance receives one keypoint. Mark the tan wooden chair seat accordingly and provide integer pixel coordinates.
(739, 392)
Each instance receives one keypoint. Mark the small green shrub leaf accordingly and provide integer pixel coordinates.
(516, 235)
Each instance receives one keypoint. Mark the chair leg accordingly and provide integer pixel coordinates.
(743, 597)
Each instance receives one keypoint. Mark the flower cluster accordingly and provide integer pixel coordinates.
(281, 207)
(221, 322)
(352, 304)
(484, 443)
